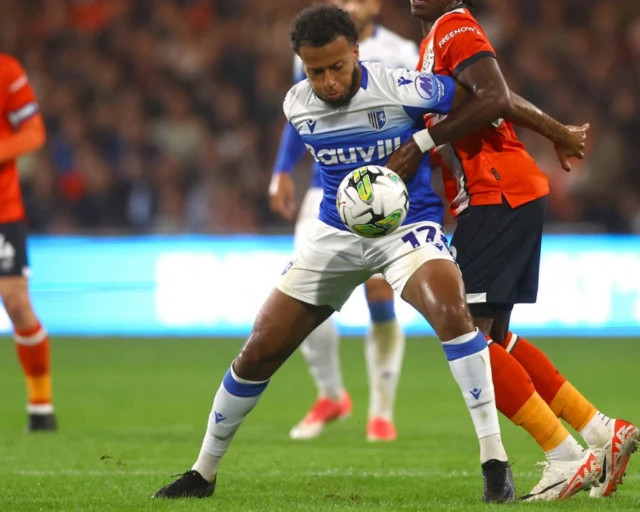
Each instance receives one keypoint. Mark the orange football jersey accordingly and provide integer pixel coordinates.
(17, 104)
(492, 163)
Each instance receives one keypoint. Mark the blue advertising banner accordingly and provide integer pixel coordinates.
(213, 286)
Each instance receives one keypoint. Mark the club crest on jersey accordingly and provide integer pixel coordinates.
(377, 118)
(311, 123)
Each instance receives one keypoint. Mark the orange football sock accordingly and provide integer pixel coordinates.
(33, 349)
(564, 399)
(539, 420)
(546, 378)
(572, 407)
(517, 399)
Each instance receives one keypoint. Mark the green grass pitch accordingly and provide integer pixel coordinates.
(133, 412)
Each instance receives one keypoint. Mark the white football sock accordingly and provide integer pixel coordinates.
(384, 350)
(233, 401)
(567, 450)
(321, 352)
(597, 432)
(470, 365)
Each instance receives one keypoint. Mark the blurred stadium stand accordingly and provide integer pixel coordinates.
(164, 115)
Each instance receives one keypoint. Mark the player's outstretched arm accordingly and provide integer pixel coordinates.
(569, 141)
(29, 136)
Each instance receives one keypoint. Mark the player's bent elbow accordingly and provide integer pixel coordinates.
(502, 103)
(39, 137)
(38, 143)
(35, 132)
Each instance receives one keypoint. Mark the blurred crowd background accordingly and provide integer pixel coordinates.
(164, 116)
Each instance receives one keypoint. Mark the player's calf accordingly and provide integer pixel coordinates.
(384, 351)
(33, 349)
(436, 290)
(517, 399)
(612, 441)
(280, 327)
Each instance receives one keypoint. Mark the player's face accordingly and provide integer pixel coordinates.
(431, 10)
(362, 12)
(333, 70)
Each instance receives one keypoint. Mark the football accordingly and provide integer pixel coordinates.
(372, 201)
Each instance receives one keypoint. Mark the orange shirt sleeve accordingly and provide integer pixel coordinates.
(21, 103)
(459, 42)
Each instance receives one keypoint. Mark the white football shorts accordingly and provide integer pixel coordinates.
(330, 263)
(309, 211)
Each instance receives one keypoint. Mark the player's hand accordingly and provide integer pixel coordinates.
(405, 160)
(572, 146)
(282, 198)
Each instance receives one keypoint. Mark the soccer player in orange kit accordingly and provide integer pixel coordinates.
(21, 131)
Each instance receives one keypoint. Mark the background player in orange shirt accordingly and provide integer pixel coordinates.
(498, 196)
(21, 131)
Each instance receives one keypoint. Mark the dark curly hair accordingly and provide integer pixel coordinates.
(318, 25)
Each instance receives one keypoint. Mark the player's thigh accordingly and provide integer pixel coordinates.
(281, 325)
(377, 289)
(308, 215)
(14, 267)
(421, 269)
(437, 292)
(493, 245)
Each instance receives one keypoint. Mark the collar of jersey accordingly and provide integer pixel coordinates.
(365, 76)
(459, 5)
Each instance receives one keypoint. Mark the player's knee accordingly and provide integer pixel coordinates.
(249, 362)
(257, 361)
(378, 290)
(18, 306)
(485, 325)
(452, 320)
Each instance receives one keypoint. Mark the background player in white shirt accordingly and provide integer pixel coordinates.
(384, 343)
(348, 114)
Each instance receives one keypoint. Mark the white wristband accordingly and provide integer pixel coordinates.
(424, 141)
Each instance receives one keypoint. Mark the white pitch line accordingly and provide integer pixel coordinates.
(79, 472)
(337, 472)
